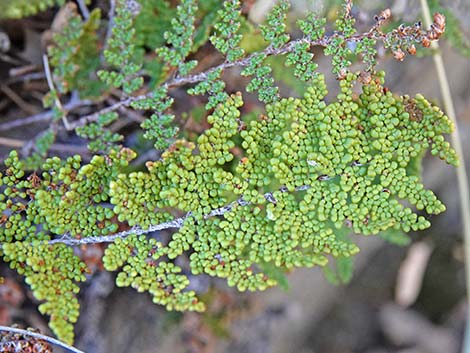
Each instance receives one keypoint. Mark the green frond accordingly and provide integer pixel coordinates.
(75, 55)
(249, 198)
(102, 140)
(52, 272)
(121, 50)
(143, 269)
(274, 28)
(180, 38)
(158, 127)
(227, 39)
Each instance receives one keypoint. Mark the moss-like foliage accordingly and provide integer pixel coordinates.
(73, 203)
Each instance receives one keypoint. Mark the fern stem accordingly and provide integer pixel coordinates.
(40, 337)
(202, 76)
(373, 33)
(74, 103)
(178, 81)
(175, 223)
(461, 171)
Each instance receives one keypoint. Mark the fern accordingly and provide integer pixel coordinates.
(259, 195)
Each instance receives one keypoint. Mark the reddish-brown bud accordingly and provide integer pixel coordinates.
(399, 54)
(385, 14)
(411, 49)
(439, 21)
(438, 26)
(433, 34)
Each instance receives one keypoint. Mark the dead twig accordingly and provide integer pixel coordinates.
(23, 70)
(74, 103)
(411, 273)
(40, 337)
(61, 147)
(83, 9)
(25, 77)
(11, 142)
(50, 83)
(20, 102)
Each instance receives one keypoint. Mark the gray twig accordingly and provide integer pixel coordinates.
(289, 47)
(50, 83)
(41, 337)
(83, 9)
(374, 32)
(175, 223)
(44, 116)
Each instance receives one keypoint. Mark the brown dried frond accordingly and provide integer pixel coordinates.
(410, 106)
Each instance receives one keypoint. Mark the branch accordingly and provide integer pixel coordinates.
(191, 79)
(50, 83)
(374, 33)
(93, 117)
(20, 102)
(60, 147)
(41, 337)
(44, 116)
(84, 9)
(175, 223)
(15, 78)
